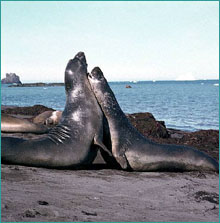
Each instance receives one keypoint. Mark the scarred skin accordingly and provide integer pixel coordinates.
(133, 150)
(70, 143)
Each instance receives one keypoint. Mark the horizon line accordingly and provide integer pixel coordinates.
(130, 81)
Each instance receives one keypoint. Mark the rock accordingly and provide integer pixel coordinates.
(11, 78)
(147, 125)
(176, 136)
(208, 196)
(30, 110)
(128, 86)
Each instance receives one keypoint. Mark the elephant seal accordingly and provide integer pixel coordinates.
(48, 118)
(133, 150)
(70, 143)
(11, 124)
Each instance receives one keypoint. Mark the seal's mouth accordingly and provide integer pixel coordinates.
(89, 75)
(97, 74)
(81, 57)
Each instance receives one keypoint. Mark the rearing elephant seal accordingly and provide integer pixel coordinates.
(69, 143)
(131, 149)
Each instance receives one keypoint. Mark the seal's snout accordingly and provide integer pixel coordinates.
(81, 56)
(97, 73)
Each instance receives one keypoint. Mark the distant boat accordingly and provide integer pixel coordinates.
(216, 84)
(154, 80)
(135, 82)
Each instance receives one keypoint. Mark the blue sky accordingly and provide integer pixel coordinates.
(128, 40)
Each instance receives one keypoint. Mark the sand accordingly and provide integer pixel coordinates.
(32, 194)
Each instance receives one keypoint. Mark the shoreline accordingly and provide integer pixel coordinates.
(204, 140)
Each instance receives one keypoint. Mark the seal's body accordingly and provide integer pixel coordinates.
(69, 144)
(131, 149)
(11, 124)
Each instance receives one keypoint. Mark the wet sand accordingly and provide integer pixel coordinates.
(46, 195)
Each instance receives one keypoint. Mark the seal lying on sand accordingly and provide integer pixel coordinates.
(12, 124)
(69, 144)
(133, 150)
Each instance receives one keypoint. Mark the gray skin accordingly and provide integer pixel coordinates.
(12, 124)
(71, 142)
(48, 118)
(133, 150)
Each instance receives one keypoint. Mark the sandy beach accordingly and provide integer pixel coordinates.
(46, 195)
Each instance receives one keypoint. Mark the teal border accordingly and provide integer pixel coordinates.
(102, 1)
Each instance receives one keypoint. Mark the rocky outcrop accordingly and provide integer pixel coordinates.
(11, 78)
(147, 125)
(38, 85)
(30, 110)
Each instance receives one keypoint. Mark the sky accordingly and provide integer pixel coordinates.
(127, 40)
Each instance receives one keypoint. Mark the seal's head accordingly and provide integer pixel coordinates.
(97, 81)
(96, 75)
(101, 88)
(76, 70)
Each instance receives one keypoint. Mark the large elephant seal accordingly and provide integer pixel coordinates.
(11, 124)
(69, 144)
(131, 149)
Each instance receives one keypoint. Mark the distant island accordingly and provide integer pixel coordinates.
(40, 84)
(14, 80)
(11, 78)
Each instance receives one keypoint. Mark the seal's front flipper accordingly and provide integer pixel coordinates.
(101, 145)
(122, 160)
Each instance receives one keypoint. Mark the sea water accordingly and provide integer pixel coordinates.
(185, 105)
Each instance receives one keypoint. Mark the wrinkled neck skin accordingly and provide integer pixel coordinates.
(108, 102)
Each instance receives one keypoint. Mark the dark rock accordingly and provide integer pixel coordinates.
(31, 213)
(89, 213)
(207, 196)
(147, 125)
(11, 78)
(30, 110)
(43, 202)
(128, 86)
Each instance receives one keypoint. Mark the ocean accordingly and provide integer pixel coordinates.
(184, 105)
